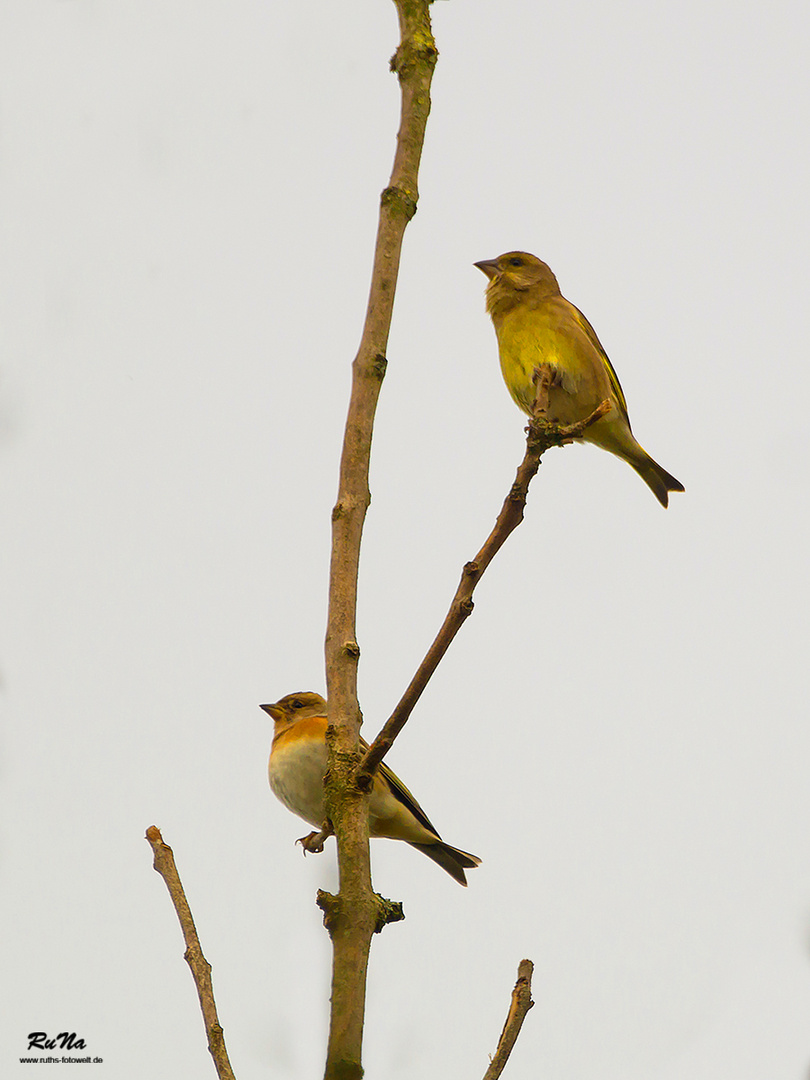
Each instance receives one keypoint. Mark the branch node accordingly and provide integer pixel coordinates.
(352, 649)
(517, 492)
(470, 569)
(388, 911)
(330, 906)
(543, 434)
(379, 366)
(419, 49)
(397, 197)
(364, 781)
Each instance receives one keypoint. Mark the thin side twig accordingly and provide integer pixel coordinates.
(519, 1006)
(200, 968)
(541, 436)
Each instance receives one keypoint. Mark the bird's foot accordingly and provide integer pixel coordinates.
(313, 842)
(543, 380)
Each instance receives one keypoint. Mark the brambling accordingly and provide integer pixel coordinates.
(297, 766)
(535, 325)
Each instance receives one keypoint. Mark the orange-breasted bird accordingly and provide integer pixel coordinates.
(297, 766)
(535, 325)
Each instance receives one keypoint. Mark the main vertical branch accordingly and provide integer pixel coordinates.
(354, 915)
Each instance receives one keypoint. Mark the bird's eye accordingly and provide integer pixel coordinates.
(296, 703)
(516, 261)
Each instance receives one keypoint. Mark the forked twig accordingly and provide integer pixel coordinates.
(520, 1005)
(200, 968)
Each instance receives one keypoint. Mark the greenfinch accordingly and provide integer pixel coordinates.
(297, 766)
(535, 325)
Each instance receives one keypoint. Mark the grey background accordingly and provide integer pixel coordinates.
(189, 203)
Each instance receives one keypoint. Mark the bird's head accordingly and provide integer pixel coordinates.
(514, 275)
(296, 707)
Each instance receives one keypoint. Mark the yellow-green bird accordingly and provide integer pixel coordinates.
(536, 325)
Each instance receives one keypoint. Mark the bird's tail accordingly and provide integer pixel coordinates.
(658, 480)
(617, 438)
(449, 858)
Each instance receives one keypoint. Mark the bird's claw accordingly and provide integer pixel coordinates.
(313, 842)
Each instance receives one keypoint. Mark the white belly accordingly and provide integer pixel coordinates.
(296, 778)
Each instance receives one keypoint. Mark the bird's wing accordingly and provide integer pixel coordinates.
(590, 333)
(402, 795)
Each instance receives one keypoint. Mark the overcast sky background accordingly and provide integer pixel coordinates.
(189, 202)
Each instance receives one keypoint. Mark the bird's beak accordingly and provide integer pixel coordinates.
(489, 267)
(273, 710)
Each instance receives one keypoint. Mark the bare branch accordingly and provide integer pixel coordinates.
(200, 968)
(541, 436)
(357, 910)
(520, 1005)
(413, 63)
